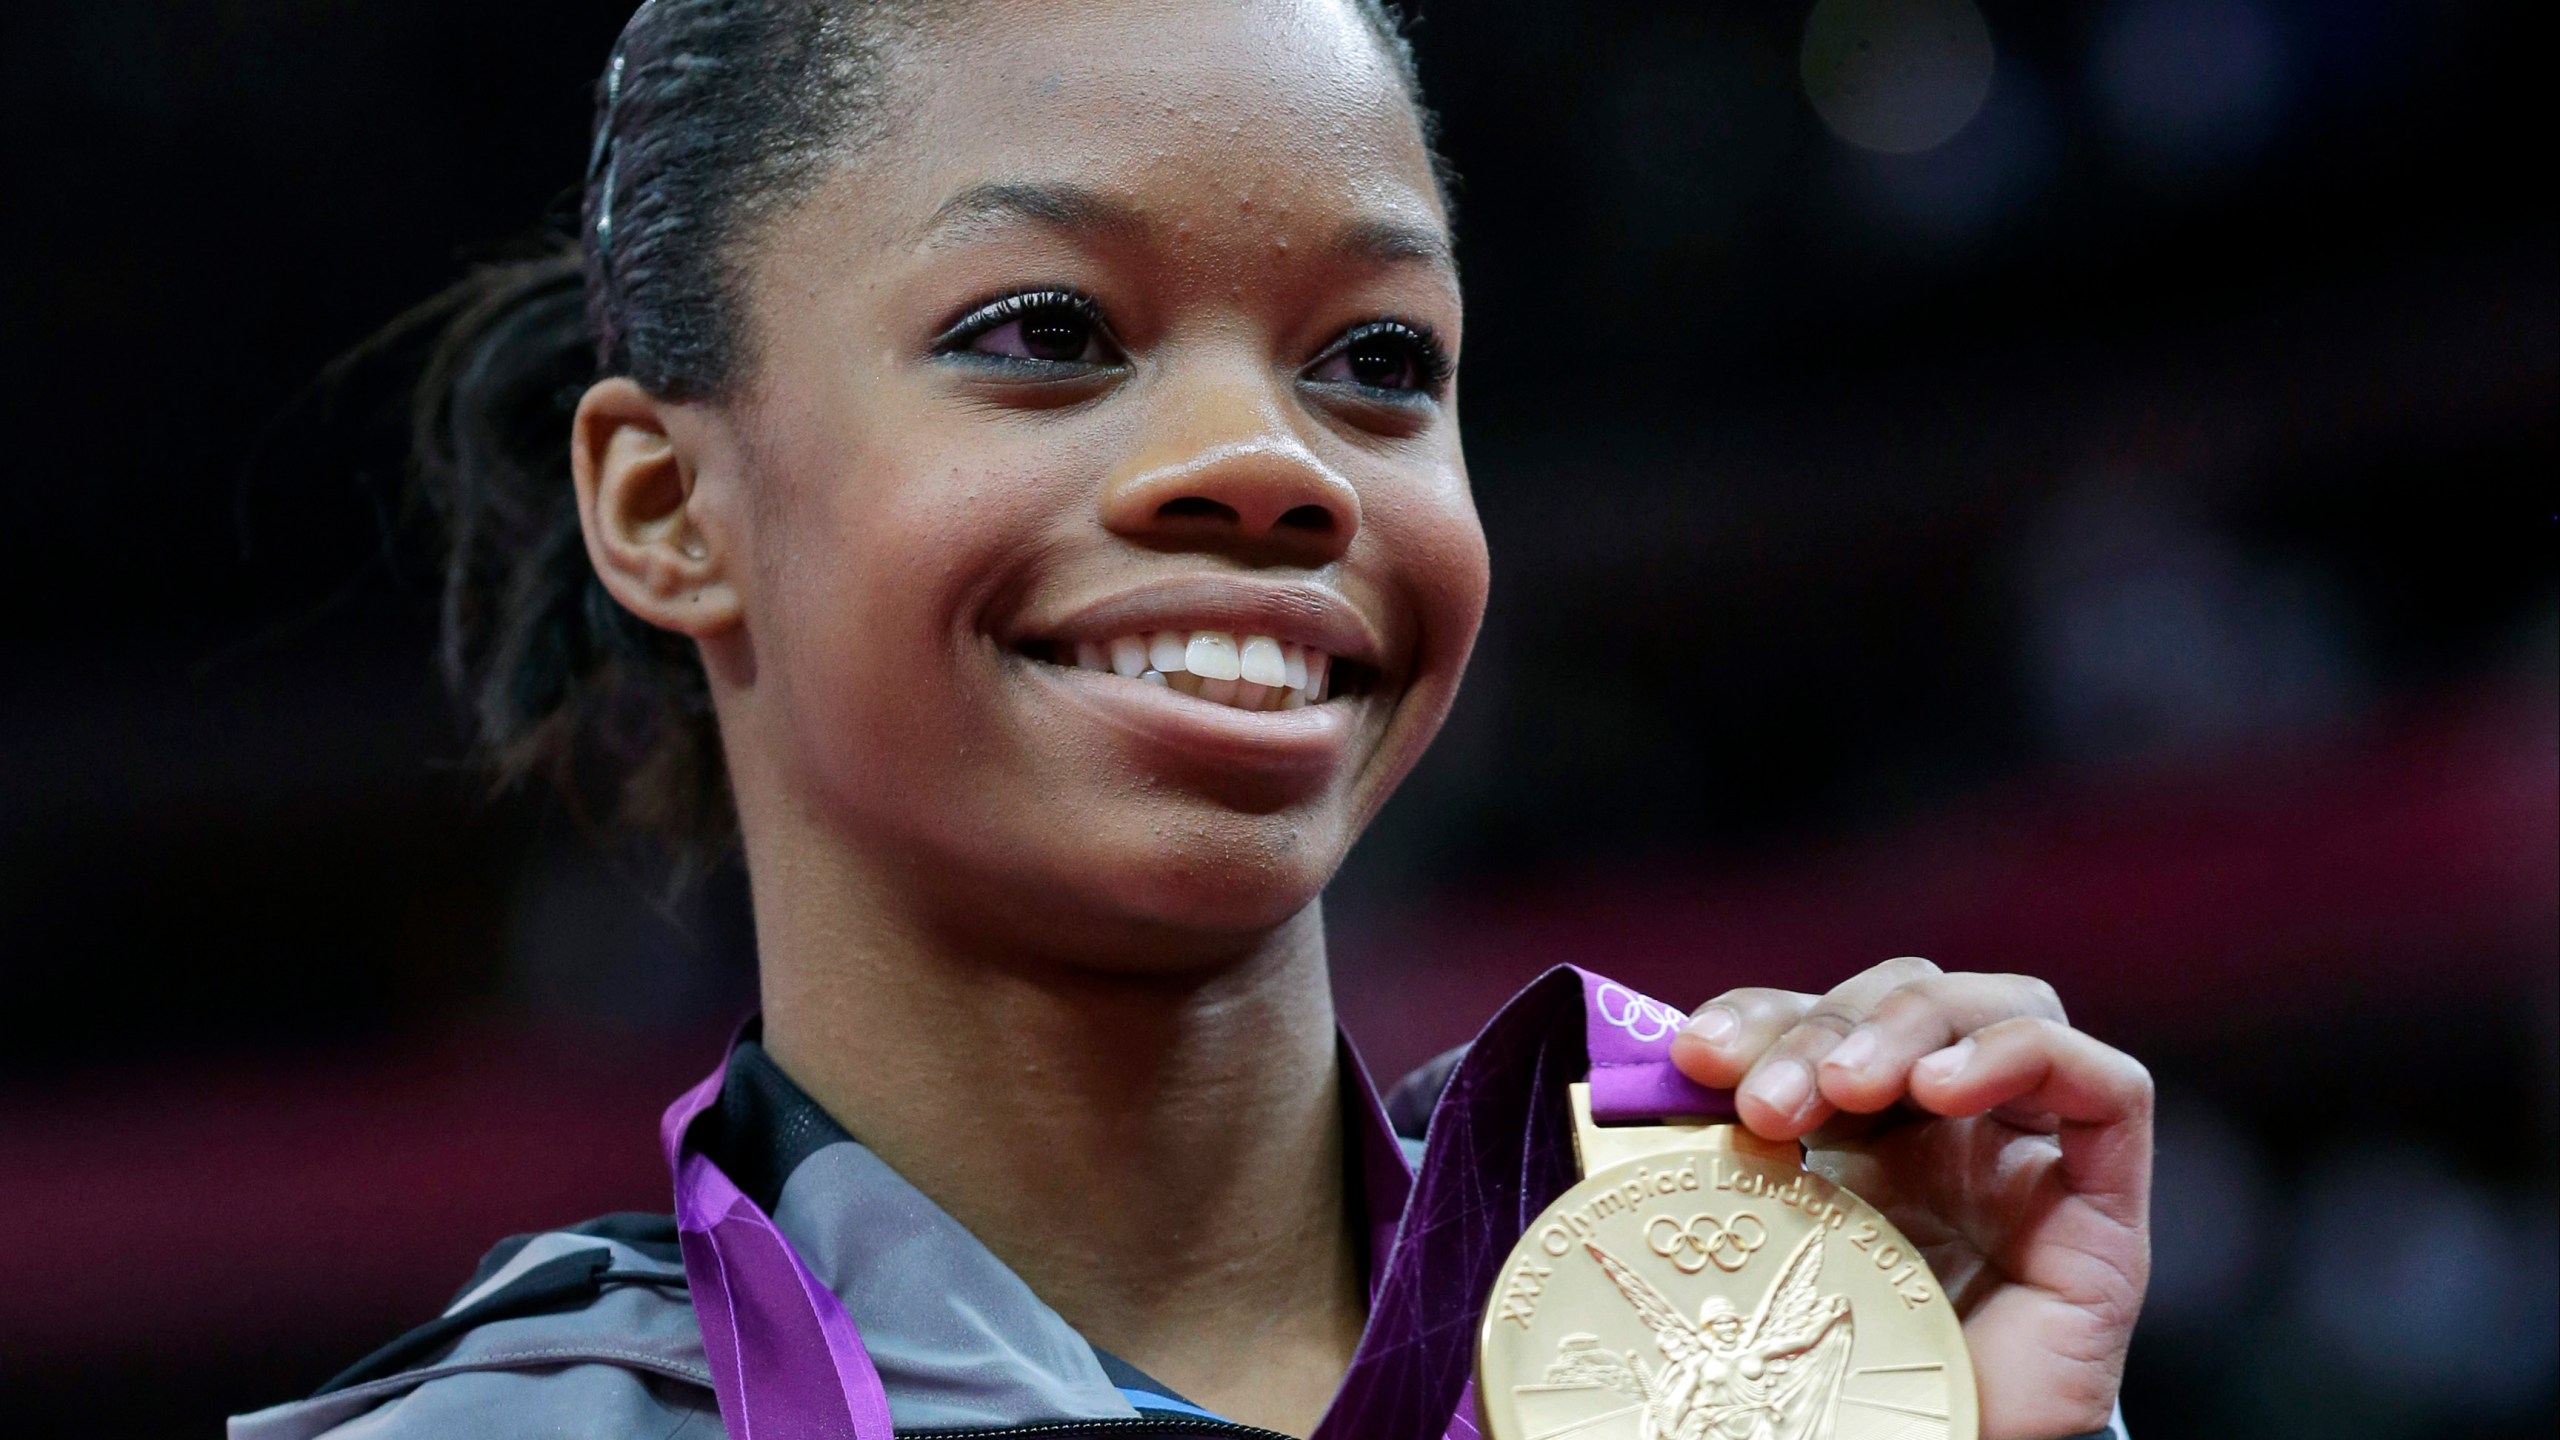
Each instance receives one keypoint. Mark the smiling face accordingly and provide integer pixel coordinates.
(1133, 345)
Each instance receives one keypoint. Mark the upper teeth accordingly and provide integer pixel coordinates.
(1256, 673)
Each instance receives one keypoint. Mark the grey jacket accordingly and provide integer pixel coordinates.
(588, 1333)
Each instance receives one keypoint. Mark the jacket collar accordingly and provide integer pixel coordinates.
(959, 1340)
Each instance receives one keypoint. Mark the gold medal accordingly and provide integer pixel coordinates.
(1701, 1284)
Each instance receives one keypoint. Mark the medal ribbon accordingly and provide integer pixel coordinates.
(1501, 1150)
(787, 1363)
(1632, 1077)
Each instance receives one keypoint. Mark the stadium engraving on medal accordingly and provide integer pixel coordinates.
(1718, 1291)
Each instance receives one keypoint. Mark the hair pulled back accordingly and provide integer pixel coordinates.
(713, 119)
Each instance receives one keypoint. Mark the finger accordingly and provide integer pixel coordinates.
(1718, 1044)
(1870, 1068)
(1727, 1034)
(2033, 1063)
(2101, 1098)
(1779, 1098)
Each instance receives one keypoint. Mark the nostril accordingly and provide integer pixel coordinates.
(1197, 507)
(1314, 519)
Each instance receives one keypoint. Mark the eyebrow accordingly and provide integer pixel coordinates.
(1396, 240)
(1061, 206)
(998, 203)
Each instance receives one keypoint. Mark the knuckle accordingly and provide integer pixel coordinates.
(2040, 995)
(2034, 1031)
(1918, 1005)
(1832, 1017)
(1761, 1009)
(1913, 967)
(1901, 1000)
(2048, 1032)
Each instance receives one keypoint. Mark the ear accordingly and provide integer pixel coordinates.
(637, 503)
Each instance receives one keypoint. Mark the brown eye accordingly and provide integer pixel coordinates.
(1388, 356)
(1043, 328)
(1384, 362)
(1051, 333)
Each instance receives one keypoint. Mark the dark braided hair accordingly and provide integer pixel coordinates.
(713, 119)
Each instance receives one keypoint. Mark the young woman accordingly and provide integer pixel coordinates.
(1013, 489)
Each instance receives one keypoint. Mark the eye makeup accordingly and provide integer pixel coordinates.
(1389, 358)
(1049, 327)
(1050, 330)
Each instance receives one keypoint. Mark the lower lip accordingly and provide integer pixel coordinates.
(1314, 739)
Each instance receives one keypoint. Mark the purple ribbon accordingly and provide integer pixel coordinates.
(787, 1364)
(1632, 1077)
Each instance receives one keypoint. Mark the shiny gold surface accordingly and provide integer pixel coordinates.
(1600, 1146)
(1700, 1284)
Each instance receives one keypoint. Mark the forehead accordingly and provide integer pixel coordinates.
(1285, 114)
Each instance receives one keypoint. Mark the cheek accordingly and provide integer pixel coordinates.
(1441, 561)
(874, 585)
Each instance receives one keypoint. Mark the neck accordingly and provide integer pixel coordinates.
(1159, 1156)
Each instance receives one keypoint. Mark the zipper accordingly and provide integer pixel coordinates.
(1174, 1425)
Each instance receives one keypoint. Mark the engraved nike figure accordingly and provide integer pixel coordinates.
(1774, 1376)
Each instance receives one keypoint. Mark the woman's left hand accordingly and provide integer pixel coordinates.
(2012, 1149)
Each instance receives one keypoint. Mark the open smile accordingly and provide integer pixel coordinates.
(1241, 645)
(1222, 667)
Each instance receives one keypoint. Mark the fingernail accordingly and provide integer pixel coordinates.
(1854, 1052)
(1944, 1065)
(1716, 1026)
(1781, 1087)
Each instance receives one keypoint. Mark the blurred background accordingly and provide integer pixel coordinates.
(2064, 487)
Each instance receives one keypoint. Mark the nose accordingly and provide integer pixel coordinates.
(1228, 474)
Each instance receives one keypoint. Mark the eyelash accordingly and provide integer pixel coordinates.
(1004, 310)
(1431, 358)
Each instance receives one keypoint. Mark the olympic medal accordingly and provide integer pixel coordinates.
(1700, 1284)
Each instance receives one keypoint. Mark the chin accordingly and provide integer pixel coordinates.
(1190, 896)
(1218, 920)
(1240, 891)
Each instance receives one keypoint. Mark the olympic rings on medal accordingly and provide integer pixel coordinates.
(1690, 1247)
(1641, 1016)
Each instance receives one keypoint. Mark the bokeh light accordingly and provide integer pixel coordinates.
(2189, 85)
(1898, 76)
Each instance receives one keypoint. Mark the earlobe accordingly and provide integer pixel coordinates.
(638, 503)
